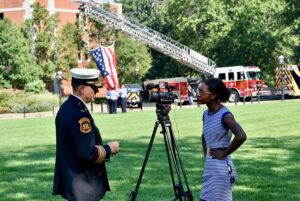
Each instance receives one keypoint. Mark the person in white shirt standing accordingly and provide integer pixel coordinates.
(123, 95)
(114, 95)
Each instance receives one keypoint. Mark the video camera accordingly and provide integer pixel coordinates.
(159, 93)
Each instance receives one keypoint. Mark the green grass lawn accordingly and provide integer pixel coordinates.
(268, 163)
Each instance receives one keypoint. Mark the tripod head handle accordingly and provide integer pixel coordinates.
(162, 111)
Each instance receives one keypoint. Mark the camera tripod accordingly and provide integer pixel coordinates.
(175, 163)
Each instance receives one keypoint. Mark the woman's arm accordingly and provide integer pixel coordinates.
(239, 138)
(204, 145)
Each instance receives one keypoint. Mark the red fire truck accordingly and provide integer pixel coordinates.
(180, 85)
(244, 81)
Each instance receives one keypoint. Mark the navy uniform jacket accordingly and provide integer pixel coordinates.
(80, 173)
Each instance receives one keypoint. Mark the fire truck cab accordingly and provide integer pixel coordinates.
(244, 81)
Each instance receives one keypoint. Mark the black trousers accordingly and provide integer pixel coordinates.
(113, 108)
(123, 104)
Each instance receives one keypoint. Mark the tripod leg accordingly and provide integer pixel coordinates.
(134, 193)
(188, 193)
(169, 160)
(179, 190)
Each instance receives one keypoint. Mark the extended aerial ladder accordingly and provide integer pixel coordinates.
(154, 39)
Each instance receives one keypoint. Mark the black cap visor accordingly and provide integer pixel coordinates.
(94, 87)
(93, 83)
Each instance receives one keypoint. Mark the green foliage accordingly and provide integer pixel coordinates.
(100, 100)
(231, 32)
(36, 87)
(15, 101)
(4, 83)
(48, 71)
(68, 44)
(252, 38)
(44, 40)
(36, 103)
(140, 10)
(4, 110)
(100, 34)
(133, 59)
(17, 66)
(7, 98)
(131, 54)
(291, 18)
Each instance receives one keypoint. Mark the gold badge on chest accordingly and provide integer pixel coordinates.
(85, 125)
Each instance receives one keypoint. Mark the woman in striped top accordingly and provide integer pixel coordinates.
(219, 173)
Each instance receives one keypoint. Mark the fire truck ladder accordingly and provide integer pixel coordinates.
(154, 39)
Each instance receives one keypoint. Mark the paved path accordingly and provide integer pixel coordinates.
(97, 108)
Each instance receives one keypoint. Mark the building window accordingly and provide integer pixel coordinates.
(1, 16)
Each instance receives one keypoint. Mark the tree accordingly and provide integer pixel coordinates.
(231, 32)
(152, 13)
(17, 66)
(131, 55)
(291, 18)
(68, 45)
(133, 59)
(256, 37)
(43, 40)
(140, 10)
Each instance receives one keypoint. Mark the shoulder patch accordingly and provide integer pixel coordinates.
(85, 125)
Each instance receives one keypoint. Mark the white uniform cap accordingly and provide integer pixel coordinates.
(85, 73)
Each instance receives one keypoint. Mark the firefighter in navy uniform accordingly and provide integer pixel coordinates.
(80, 173)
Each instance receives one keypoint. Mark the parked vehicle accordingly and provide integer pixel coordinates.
(288, 80)
(244, 81)
(133, 96)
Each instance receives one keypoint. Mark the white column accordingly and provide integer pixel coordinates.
(27, 5)
(51, 7)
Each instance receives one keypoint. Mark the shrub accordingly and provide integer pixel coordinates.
(4, 83)
(7, 98)
(4, 110)
(40, 102)
(36, 87)
(18, 108)
(100, 100)
(15, 101)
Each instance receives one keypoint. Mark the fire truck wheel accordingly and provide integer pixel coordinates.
(234, 97)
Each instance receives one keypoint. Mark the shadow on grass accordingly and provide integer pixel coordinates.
(27, 173)
(268, 170)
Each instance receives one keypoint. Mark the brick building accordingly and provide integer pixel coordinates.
(19, 10)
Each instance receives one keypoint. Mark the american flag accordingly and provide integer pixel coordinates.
(105, 58)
